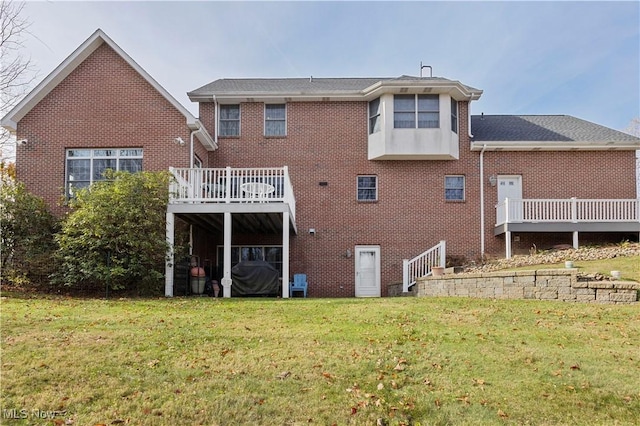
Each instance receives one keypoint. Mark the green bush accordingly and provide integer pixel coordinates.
(115, 235)
(27, 231)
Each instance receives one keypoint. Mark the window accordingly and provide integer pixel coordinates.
(85, 166)
(416, 111)
(367, 188)
(454, 115)
(229, 123)
(454, 188)
(275, 120)
(374, 116)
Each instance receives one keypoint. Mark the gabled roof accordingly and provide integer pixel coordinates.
(327, 88)
(10, 121)
(545, 132)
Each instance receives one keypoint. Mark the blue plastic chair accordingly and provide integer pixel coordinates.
(299, 284)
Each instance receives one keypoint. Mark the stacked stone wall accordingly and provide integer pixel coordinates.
(544, 284)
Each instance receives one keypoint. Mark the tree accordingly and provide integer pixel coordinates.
(16, 71)
(26, 233)
(115, 235)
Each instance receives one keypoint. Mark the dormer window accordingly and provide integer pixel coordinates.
(416, 111)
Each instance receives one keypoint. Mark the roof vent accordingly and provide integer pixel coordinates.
(426, 66)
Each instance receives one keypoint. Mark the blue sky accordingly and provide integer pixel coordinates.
(576, 58)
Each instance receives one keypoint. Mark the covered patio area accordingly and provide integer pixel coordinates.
(248, 201)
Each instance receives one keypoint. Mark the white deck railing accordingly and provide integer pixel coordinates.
(421, 265)
(228, 185)
(567, 210)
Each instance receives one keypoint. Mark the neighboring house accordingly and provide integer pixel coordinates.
(342, 179)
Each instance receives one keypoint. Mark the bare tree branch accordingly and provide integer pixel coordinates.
(16, 71)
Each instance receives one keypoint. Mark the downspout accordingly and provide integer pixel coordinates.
(484, 147)
(482, 201)
(215, 124)
(191, 151)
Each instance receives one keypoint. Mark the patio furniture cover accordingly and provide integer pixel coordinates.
(254, 278)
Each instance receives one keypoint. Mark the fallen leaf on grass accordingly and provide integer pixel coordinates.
(328, 375)
(283, 375)
(575, 367)
(399, 367)
(380, 386)
(153, 363)
(502, 414)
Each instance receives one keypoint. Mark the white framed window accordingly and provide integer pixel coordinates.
(85, 166)
(367, 188)
(229, 121)
(275, 120)
(197, 162)
(454, 188)
(454, 115)
(416, 111)
(374, 116)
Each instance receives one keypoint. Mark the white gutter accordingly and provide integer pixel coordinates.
(482, 202)
(215, 125)
(191, 152)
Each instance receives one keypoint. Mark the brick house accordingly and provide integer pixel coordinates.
(346, 180)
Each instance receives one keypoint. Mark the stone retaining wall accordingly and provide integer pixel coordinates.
(543, 284)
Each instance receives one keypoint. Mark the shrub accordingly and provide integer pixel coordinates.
(115, 235)
(27, 231)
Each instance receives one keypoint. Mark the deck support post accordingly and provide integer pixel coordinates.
(285, 255)
(168, 269)
(507, 243)
(226, 277)
(575, 240)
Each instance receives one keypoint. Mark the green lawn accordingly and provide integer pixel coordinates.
(203, 361)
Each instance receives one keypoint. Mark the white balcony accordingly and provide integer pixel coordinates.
(566, 215)
(260, 194)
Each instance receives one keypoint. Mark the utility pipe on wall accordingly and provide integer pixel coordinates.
(482, 201)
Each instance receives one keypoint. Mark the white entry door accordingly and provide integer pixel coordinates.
(367, 271)
(511, 187)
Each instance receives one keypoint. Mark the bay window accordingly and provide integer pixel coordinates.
(416, 111)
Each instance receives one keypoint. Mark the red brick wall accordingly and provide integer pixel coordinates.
(327, 142)
(564, 174)
(104, 102)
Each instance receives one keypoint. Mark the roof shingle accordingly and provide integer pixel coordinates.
(545, 128)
